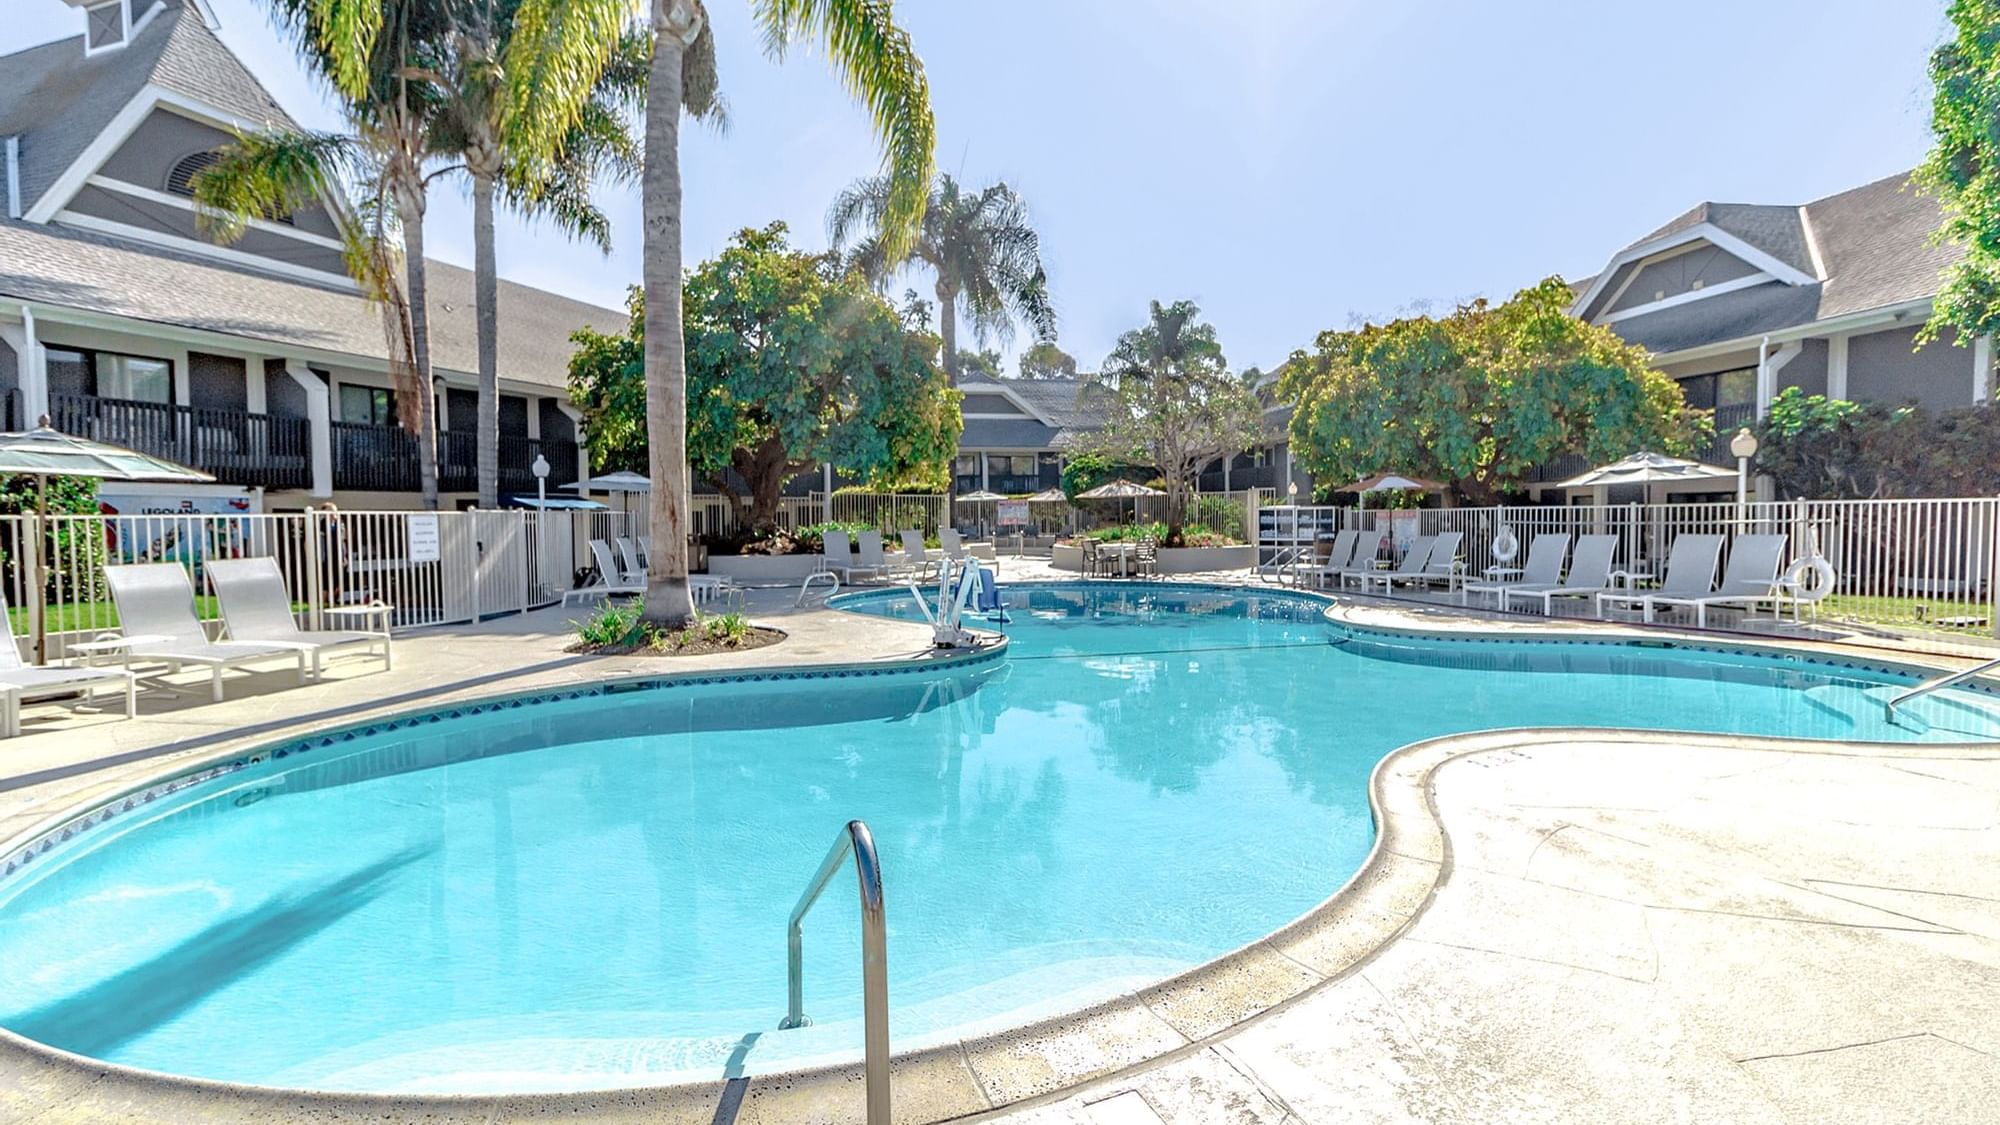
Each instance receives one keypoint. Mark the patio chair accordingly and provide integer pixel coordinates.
(1589, 575)
(21, 681)
(916, 556)
(837, 558)
(1146, 557)
(1092, 558)
(1415, 561)
(1367, 545)
(1749, 579)
(1339, 553)
(1690, 574)
(1543, 568)
(611, 580)
(155, 603)
(256, 609)
(1443, 565)
(869, 555)
(634, 571)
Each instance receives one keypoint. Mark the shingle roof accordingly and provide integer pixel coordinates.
(1876, 242)
(95, 273)
(1774, 229)
(1064, 402)
(58, 100)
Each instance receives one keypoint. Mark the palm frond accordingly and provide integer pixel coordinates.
(268, 174)
(877, 63)
(346, 32)
(555, 54)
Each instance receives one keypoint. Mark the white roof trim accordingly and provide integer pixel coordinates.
(1716, 290)
(1028, 410)
(115, 134)
(1903, 313)
(288, 270)
(1703, 231)
(1812, 243)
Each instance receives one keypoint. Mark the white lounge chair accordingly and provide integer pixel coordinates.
(1416, 560)
(1589, 575)
(837, 557)
(1749, 579)
(1443, 565)
(611, 582)
(256, 609)
(956, 549)
(155, 603)
(629, 561)
(1690, 574)
(869, 556)
(916, 556)
(1543, 568)
(21, 681)
(1367, 546)
(1339, 556)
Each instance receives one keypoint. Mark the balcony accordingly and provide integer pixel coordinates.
(384, 459)
(234, 446)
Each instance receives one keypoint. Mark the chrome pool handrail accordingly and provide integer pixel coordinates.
(855, 839)
(1944, 681)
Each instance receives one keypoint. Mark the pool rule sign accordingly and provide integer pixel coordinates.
(424, 537)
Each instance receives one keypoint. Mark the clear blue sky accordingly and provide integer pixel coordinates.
(1285, 163)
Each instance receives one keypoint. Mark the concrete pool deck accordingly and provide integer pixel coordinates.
(1623, 927)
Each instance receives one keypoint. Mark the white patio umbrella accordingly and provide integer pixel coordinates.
(621, 481)
(1646, 469)
(1390, 482)
(982, 497)
(45, 452)
(1121, 490)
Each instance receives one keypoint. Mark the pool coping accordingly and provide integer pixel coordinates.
(969, 1077)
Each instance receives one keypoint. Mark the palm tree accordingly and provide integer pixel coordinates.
(503, 154)
(875, 60)
(388, 155)
(980, 247)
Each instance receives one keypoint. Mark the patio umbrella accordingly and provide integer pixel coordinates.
(982, 497)
(1647, 468)
(1391, 482)
(1051, 496)
(625, 482)
(44, 452)
(1120, 490)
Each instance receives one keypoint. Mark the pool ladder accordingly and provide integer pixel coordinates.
(854, 840)
(1931, 685)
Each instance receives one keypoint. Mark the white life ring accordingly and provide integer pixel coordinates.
(1810, 578)
(1505, 545)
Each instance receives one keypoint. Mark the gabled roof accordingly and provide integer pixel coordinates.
(1876, 243)
(95, 273)
(1061, 408)
(1774, 229)
(59, 100)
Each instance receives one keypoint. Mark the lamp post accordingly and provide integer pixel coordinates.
(541, 470)
(1744, 446)
(1292, 493)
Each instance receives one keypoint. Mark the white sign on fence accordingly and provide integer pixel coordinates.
(424, 544)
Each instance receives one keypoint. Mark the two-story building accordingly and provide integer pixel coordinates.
(259, 361)
(1739, 301)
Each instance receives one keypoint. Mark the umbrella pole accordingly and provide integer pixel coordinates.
(37, 612)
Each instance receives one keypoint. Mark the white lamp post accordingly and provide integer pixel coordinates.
(541, 470)
(1744, 446)
(1292, 492)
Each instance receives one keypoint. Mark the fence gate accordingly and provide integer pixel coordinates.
(501, 573)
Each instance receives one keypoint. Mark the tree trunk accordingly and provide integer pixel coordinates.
(765, 469)
(668, 603)
(948, 328)
(410, 205)
(486, 301)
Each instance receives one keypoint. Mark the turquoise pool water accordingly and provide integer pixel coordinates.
(593, 892)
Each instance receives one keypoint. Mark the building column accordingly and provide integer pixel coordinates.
(34, 368)
(983, 477)
(1836, 367)
(319, 424)
(1982, 370)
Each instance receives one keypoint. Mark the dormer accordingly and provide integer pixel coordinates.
(109, 25)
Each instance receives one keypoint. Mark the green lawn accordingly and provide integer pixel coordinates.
(1911, 613)
(90, 616)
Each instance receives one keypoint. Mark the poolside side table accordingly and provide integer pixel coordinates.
(366, 612)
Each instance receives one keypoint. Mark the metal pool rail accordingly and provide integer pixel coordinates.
(854, 839)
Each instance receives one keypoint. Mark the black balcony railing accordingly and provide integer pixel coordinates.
(384, 459)
(235, 446)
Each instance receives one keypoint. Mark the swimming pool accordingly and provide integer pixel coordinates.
(591, 891)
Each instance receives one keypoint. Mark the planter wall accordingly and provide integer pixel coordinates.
(1066, 558)
(761, 570)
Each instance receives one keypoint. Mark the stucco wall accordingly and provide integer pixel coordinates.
(1882, 368)
(217, 382)
(1807, 370)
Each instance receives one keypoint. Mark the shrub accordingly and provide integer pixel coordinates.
(1821, 448)
(612, 624)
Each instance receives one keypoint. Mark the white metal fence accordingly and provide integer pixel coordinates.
(1930, 565)
(475, 565)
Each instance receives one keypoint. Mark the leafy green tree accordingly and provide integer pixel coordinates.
(381, 60)
(1171, 402)
(790, 364)
(984, 364)
(1046, 361)
(1963, 168)
(74, 551)
(1821, 448)
(979, 245)
(1480, 396)
(875, 60)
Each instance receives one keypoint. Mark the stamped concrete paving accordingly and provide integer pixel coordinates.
(1646, 932)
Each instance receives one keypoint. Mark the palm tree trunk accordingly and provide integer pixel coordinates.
(668, 603)
(486, 299)
(948, 328)
(411, 207)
